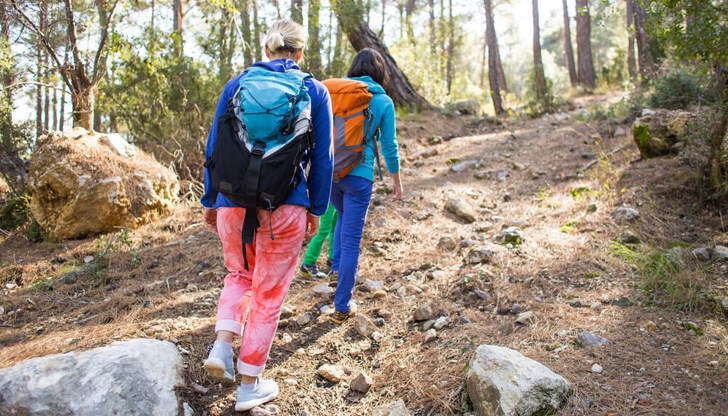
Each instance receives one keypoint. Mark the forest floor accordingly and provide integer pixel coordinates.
(162, 280)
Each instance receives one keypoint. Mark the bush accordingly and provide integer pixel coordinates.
(681, 88)
(15, 213)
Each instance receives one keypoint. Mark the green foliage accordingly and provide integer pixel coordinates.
(682, 87)
(15, 213)
(671, 278)
(165, 104)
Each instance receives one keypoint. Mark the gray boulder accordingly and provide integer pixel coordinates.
(661, 132)
(625, 214)
(136, 377)
(503, 382)
(467, 107)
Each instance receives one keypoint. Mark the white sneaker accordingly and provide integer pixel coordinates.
(249, 396)
(219, 363)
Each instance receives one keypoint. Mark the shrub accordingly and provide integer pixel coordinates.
(681, 88)
(15, 213)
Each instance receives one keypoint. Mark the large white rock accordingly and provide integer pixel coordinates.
(136, 377)
(504, 382)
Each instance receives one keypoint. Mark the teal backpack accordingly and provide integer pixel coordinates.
(261, 141)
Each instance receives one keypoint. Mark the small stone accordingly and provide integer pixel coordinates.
(323, 289)
(511, 235)
(526, 318)
(593, 207)
(304, 319)
(333, 373)
(430, 335)
(423, 313)
(428, 324)
(596, 368)
(622, 302)
(286, 338)
(577, 303)
(88, 259)
(502, 310)
(373, 285)
(441, 322)
(385, 313)
(362, 325)
(326, 310)
(362, 382)
(287, 312)
(479, 255)
(516, 309)
(625, 214)
(425, 153)
(376, 336)
(596, 306)
(447, 243)
(628, 237)
(481, 294)
(291, 382)
(702, 253)
(460, 209)
(720, 253)
(505, 329)
(10, 286)
(587, 339)
(464, 165)
(396, 408)
(379, 322)
(378, 294)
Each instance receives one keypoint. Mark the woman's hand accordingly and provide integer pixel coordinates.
(397, 192)
(312, 225)
(209, 216)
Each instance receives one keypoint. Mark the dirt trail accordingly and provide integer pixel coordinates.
(163, 281)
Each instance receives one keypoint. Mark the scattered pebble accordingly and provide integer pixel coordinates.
(596, 368)
(333, 373)
(423, 313)
(430, 335)
(362, 382)
(526, 318)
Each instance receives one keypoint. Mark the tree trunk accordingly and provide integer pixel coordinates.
(313, 51)
(585, 68)
(717, 169)
(361, 36)
(42, 15)
(568, 50)
(631, 63)
(539, 77)
(257, 48)
(83, 101)
(277, 5)
(492, 65)
(248, 58)
(484, 59)
(400, 9)
(433, 33)
(297, 11)
(450, 49)
(384, 17)
(644, 57)
(409, 10)
(499, 68)
(177, 28)
(47, 97)
(62, 112)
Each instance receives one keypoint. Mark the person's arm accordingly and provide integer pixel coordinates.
(209, 195)
(390, 148)
(322, 154)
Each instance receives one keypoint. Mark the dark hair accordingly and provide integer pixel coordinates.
(369, 62)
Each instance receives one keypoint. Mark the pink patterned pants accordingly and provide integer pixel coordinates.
(259, 292)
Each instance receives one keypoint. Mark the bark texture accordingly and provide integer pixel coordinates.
(539, 76)
(492, 72)
(585, 70)
(568, 50)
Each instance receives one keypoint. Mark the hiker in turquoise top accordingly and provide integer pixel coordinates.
(351, 194)
(326, 232)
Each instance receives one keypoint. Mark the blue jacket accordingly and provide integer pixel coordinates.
(382, 109)
(312, 192)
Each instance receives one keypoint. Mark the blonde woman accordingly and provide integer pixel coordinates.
(260, 272)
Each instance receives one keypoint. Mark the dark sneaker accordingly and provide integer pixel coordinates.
(311, 271)
(333, 278)
(248, 397)
(340, 317)
(219, 363)
(329, 263)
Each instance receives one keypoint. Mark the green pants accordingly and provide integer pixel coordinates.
(325, 231)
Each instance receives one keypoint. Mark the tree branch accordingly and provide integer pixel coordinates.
(29, 24)
(73, 40)
(97, 74)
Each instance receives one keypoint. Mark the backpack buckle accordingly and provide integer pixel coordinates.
(258, 149)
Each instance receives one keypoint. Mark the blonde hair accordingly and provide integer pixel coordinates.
(285, 36)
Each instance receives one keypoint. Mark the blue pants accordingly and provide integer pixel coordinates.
(350, 196)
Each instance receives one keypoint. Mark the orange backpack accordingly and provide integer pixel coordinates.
(352, 120)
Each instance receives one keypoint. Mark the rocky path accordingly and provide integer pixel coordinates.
(505, 238)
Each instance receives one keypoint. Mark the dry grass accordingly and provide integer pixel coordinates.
(164, 283)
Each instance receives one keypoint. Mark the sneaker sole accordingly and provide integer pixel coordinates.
(216, 370)
(247, 405)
